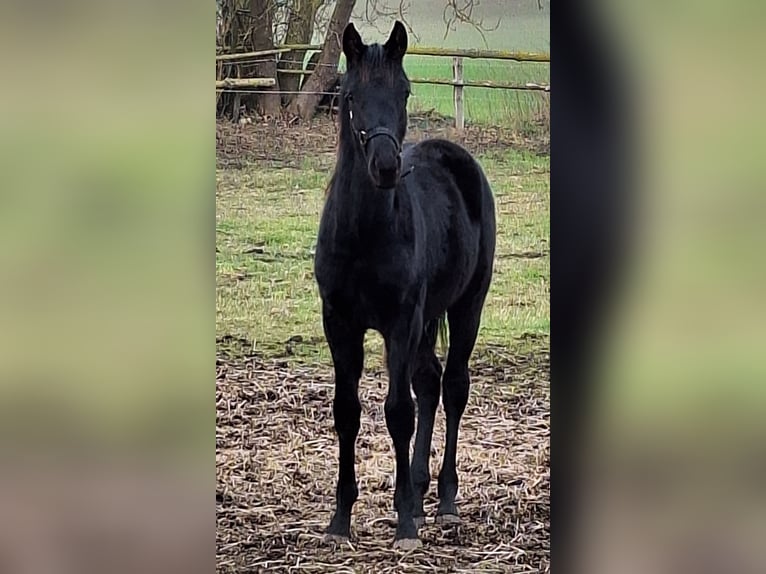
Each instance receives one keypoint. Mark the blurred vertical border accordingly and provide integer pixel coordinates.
(107, 287)
(659, 457)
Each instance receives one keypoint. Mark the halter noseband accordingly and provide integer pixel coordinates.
(365, 136)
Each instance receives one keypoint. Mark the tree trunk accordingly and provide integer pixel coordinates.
(327, 69)
(300, 28)
(227, 103)
(262, 13)
(310, 67)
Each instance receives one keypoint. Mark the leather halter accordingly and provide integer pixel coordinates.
(364, 136)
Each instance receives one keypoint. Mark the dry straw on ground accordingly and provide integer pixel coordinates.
(276, 464)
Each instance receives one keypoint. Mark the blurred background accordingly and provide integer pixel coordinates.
(676, 451)
(106, 291)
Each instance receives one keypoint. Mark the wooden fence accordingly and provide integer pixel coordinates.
(457, 81)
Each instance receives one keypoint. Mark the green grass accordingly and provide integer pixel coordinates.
(481, 105)
(266, 225)
(492, 106)
(522, 26)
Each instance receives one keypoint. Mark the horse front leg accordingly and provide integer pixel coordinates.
(346, 343)
(401, 344)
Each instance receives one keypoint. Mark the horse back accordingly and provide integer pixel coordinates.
(450, 166)
(453, 195)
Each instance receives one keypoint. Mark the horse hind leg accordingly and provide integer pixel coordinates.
(464, 319)
(425, 382)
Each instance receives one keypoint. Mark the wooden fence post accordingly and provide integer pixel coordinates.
(457, 77)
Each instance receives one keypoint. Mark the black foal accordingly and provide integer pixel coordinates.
(406, 238)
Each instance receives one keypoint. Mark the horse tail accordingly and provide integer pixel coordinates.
(442, 333)
(442, 337)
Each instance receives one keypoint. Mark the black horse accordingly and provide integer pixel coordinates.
(406, 238)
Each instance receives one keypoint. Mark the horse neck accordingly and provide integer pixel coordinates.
(359, 206)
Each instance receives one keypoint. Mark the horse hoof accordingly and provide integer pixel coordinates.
(419, 521)
(448, 519)
(407, 544)
(335, 538)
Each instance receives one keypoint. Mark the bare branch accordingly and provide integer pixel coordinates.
(461, 12)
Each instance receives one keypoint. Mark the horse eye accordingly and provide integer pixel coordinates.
(349, 97)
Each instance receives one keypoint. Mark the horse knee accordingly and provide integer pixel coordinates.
(346, 412)
(455, 389)
(426, 383)
(400, 416)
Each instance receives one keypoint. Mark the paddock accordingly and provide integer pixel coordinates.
(276, 450)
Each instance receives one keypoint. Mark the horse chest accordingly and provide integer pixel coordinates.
(370, 290)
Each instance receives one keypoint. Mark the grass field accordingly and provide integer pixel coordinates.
(490, 106)
(266, 227)
(521, 27)
(481, 105)
(267, 218)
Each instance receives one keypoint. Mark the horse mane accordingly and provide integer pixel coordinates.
(329, 186)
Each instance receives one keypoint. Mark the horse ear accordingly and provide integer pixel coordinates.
(396, 46)
(353, 46)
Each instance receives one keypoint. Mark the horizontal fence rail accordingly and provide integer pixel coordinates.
(457, 82)
(414, 50)
(234, 83)
(482, 84)
(466, 84)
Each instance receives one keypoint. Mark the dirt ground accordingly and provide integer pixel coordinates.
(276, 452)
(276, 467)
